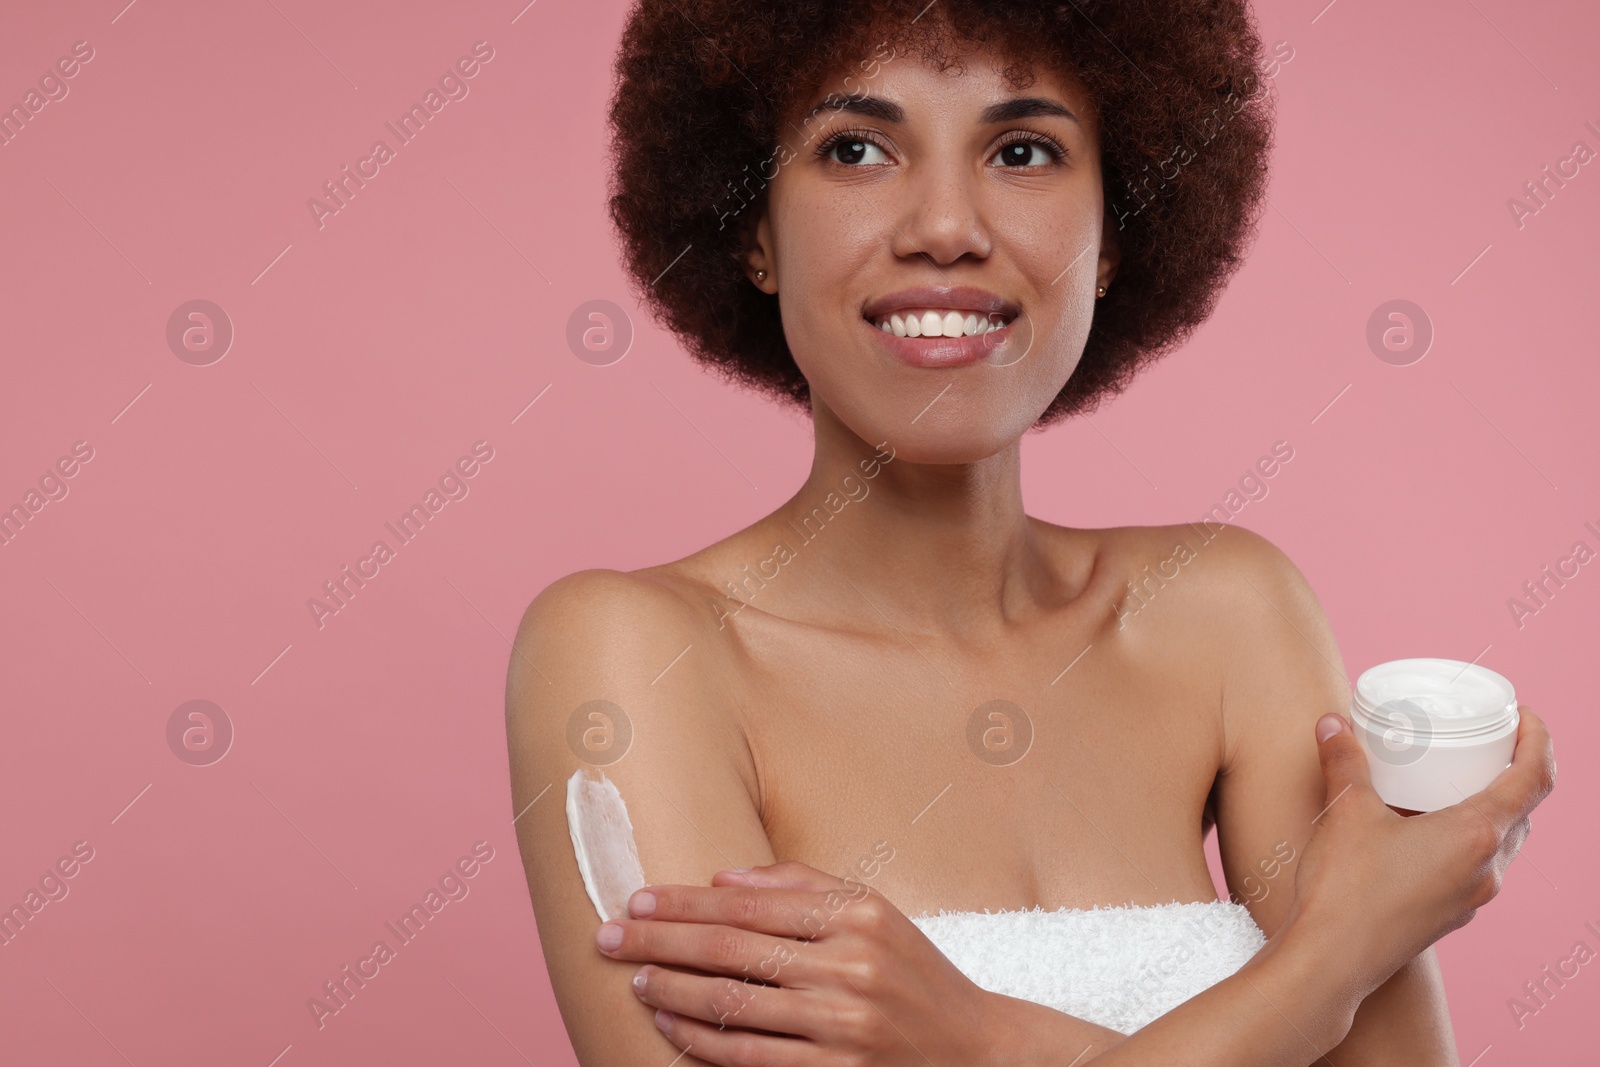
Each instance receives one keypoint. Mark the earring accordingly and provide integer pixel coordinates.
(761, 275)
(1100, 291)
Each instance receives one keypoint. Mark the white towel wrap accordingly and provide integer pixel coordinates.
(1120, 967)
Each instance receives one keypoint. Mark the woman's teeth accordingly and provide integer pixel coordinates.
(938, 323)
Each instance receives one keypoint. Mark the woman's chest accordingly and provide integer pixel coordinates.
(1038, 774)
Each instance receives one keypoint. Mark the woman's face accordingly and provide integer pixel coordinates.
(944, 181)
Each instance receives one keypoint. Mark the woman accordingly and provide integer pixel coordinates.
(935, 228)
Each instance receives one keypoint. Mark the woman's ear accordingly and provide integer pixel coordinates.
(760, 263)
(1110, 252)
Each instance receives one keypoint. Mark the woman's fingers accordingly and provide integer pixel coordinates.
(715, 949)
(734, 1047)
(727, 1001)
(1497, 818)
(1520, 788)
(1344, 763)
(781, 912)
(787, 874)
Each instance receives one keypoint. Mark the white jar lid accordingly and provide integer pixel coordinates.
(1439, 698)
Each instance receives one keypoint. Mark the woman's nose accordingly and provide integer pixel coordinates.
(942, 217)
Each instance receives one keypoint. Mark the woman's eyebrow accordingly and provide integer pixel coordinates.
(1023, 108)
(889, 111)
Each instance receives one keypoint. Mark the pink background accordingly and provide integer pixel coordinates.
(425, 316)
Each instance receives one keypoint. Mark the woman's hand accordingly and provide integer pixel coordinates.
(806, 969)
(1376, 888)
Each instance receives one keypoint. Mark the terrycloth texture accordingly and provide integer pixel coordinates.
(1119, 967)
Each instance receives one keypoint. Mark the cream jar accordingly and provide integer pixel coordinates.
(1435, 731)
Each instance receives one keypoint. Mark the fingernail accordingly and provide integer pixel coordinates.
(638, 982)
(642, 904)
(1327, 726)
(663, 1020)
(609, 937)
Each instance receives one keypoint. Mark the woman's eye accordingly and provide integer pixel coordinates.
(1018, 153)
(851, 152)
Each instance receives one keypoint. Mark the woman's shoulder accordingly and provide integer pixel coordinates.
(675, 599)
(602, 596)
(1148, 557)
(1231, 595)
(1237, 542)
(625, 651)
(609, 618)
(1196, 588)
(1239, 565)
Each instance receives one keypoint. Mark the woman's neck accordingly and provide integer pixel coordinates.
(941, 548)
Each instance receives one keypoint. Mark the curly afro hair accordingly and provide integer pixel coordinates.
(703, 86)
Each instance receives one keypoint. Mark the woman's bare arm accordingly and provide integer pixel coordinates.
(605, 635)
(1282, 672)
(1287, 1007)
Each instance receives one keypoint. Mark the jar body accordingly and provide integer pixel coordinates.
(1432, 780)
(1435, 731)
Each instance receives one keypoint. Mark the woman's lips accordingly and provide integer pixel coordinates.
(944, 351)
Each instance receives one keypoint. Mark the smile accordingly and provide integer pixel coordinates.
(942, 325)
(904, 335)
(941, 322)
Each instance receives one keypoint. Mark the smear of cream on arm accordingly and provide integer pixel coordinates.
(602, 838)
